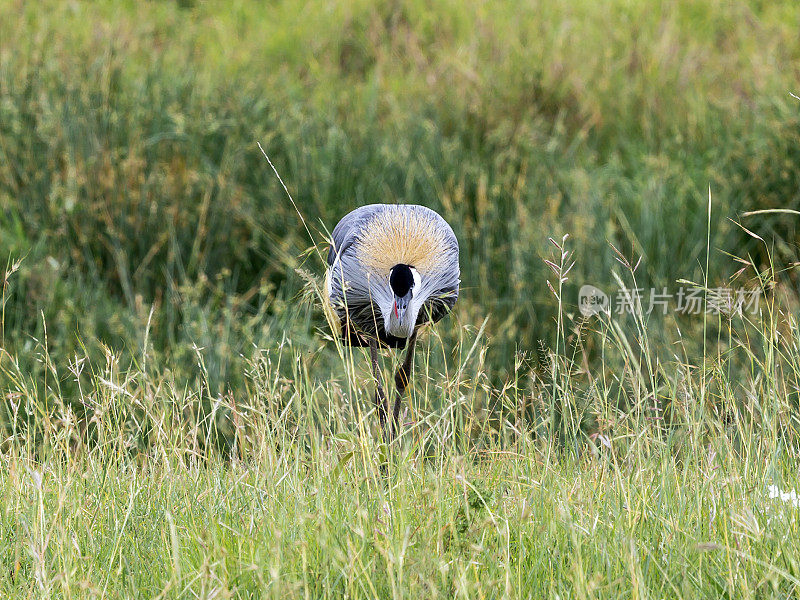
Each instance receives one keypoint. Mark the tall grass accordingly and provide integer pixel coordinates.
(178, 419)
(131, 179)
(655, 484)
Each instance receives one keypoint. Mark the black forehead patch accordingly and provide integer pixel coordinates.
(401, 280)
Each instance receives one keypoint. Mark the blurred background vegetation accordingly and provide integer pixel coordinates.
(133, 191)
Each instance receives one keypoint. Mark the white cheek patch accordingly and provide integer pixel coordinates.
(417, 280)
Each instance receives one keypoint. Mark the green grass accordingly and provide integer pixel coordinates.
(323, 522)
(130, 175)
(667, 498)
(175, 418)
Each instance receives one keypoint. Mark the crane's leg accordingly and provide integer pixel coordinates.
(401, 379)
(380, 397)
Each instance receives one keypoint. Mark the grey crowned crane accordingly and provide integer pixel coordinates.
(391, 269)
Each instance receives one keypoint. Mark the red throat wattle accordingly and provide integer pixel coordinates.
(394, 308)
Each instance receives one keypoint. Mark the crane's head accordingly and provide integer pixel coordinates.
(404, 281)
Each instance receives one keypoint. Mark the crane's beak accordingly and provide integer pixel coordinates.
(400, 305)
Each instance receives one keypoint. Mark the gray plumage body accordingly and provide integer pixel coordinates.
(367, 244)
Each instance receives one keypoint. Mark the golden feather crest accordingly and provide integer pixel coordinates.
(398, 236)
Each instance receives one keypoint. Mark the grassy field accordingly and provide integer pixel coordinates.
(177, 421)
